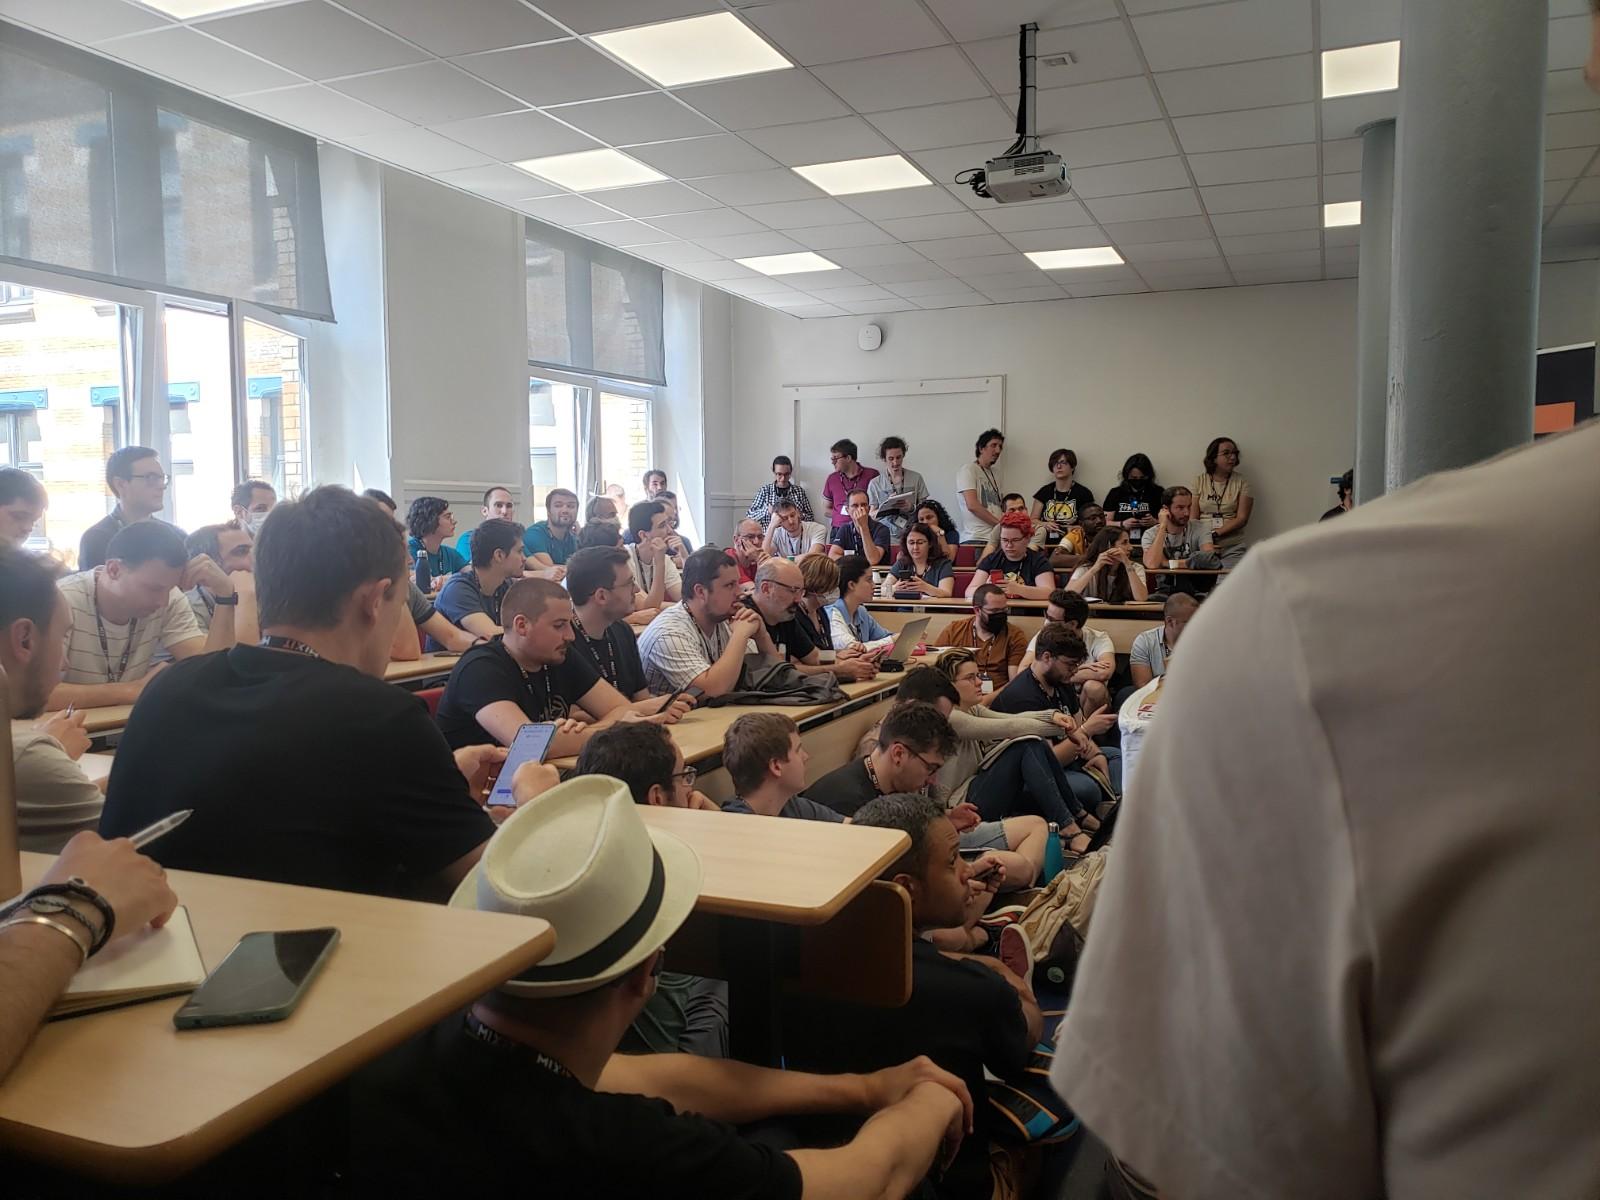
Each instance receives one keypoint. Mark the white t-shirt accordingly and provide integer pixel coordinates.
(1097, 641)
(1347, 945)
(793, 545)
(644, 573)
(87, 661)
(55, 799)
(973, 478)
(1133, 720)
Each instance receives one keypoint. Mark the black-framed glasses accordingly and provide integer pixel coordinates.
(688, 775)
(796, 590)
(933, 768)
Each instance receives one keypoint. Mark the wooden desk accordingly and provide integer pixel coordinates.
(1120, 622)
(122, 1095)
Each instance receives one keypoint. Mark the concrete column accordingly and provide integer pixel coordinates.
(1468, 172)
(1372, 307)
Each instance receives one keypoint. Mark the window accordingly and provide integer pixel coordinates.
(200, 398)
(625, 441)
(553, 410)
(592, 309)
(274, 425)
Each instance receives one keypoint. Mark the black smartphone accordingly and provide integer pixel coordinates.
(531, 744)
(262, 979)
(986, 874)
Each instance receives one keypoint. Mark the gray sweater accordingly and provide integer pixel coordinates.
(981, 734)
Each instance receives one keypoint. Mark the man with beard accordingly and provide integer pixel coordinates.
(702, 641)
(550, 542)
(779, 586)
(999, 646)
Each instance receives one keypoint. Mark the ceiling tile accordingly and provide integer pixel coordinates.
(933, 76)
(1224, 33)
(930, 287)
(633, 120)
(1271, 243)
(567, 210)
(1080, 276)
(717, 269)
(1029, 240)
(812, 280)
(904, 202)
(1341, 154)
(1101, 51)
(945, 164)
(1272, 220)
(674, 254)
(315, 39)
(1576, 214)
(1026, 295)
(951, 301)
(921, 271)
(823, 31)
(1566, 91)
(1359, 22)
(1279, 275)
(773, 98)
(1192, 283)
(1092, 105)
(1567, 164)
(1247, 166)
(811, 311)
(1006, 280)
(716, 222)
(939, 225)
(559, 73)
(750, 245)
(964, 196)
(947, 124)
(820, 141)
(514, 137)
(1105, 289)
(963, 247)
(1166, 252)
(801, 214)
(1119, 143)
(987, 265)
(866, 308)
(1344, 116)
(621, 233)
(498, 182)
(1059, 214)
(1182, 268)
(861, 291)
(461, 26)
(599, 16)
(830, 237)
(752, 187)
(1265, 83)
(721, 154)
(1342, 235)
(1282, 126)
(1172, 229)
(863, 258)
(320, 112)
(1339, 188)
(86, 21)
(1145, 206)
(1282, 258)
(755, 287)
(429, 93)
(968, 21)
(1565, 130)
(1569, 42)
(418, 150)
(181, 54)
(1121, 179)
(1246, 197)
(655, 199)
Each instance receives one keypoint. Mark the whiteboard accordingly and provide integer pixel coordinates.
(940, 420)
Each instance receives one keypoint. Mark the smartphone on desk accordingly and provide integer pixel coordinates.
(261, 980)
(531, 744)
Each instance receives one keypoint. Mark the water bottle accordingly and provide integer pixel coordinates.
(423, 576)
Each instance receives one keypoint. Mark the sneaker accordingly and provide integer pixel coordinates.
(1016, 951)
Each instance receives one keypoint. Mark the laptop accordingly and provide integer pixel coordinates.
(911, 633)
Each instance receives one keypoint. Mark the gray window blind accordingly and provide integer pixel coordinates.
(114, 175)
(592, 308)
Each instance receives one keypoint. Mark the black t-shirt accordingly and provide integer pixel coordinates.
(298, 770)
(795, 808)
(488, 673)
(845, 789)
(793, 635)
(1125, 501)
(614, 655)
(1025, 694)
(1032, 565)
(1062, 507)
(447, 1114)
(961, 1015)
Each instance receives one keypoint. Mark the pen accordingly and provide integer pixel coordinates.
(160, 829)
(71, 708)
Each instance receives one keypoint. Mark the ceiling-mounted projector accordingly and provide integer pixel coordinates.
(1024, 171)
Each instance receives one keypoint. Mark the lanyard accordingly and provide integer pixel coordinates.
(537, 1058)
(608, 668)
(527, 682)
(105, 647)
(275, 641)
(994, 484)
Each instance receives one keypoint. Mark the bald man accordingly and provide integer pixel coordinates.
(778, 588)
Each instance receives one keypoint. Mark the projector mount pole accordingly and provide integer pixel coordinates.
(1028, 102)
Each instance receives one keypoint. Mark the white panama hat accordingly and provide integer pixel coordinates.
(582, 858)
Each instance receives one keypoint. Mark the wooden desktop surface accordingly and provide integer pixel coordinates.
(1120, 622)
(124, 1096)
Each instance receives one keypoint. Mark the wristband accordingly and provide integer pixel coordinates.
(78, 888)
(228, 601)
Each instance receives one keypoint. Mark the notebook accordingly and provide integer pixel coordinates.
(150, 965)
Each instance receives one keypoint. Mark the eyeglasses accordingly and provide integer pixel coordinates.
(793, 589)
(688, 775)
(933, 768)
(157, 478)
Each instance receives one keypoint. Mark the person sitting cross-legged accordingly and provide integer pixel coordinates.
(702, 641)
(527, 1087)
(779, 587)
(767, 763)
(1046, 686)
(1072, 610)
(472, 597)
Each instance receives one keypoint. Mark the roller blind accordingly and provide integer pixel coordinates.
(592, 308)
(113, 175)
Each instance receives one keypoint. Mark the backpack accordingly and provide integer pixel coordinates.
(1056, 920)
(767, 681)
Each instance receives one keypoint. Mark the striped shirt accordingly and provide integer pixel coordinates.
(675, 650)
(87, 661)
(769, 497)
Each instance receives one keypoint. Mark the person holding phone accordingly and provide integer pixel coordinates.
(1046, 686)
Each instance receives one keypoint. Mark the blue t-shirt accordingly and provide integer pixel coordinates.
(446, 560)
(462, 595)
(848, 537)
(938, 571)
(537, 540)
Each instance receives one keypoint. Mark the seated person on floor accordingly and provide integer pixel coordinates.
(790, 535)
(1108, 572)
(767, 764)
(748, 551)
(657, 581)
(547, 544)
(425, 619)
(1022, 573)
(1014, 502)
(923, 568)
(860, 534)
(123, 610)
(1072, 610)
(776, 598)
(601, 587)
(308, 768)
(1046, 686)
(851, 626)
(22, 502)
(55, 799)
(1177, 536)
(1151, 649)
(528, 1086)
(997, 645)
(472, 597)
(970, 1015)
(702, 641)
(431, 524)
(232, 548)
(1075, 542)
(533, 674)
(498, 504)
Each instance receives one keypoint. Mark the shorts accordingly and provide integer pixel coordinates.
(985, 835)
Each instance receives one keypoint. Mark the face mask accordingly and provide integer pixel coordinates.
(830, 597)
(254, 521)
(994, 622)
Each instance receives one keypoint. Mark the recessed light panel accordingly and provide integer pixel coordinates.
(1087, 256)
(693, 50)
(787, 264)
(1356, 70)
(855, 175)
(591, 170)
(185, 9)
(1345, 212)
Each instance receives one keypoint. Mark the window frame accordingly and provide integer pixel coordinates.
(587, 450)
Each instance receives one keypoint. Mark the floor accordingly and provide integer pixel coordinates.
(1084, 1177)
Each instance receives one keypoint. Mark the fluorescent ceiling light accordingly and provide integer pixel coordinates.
(590, 170)
(787, 264)
(693, 50)
(184, 9)
(856, 175)
(1355, 70)
(1088, 256)
(1345, 212)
